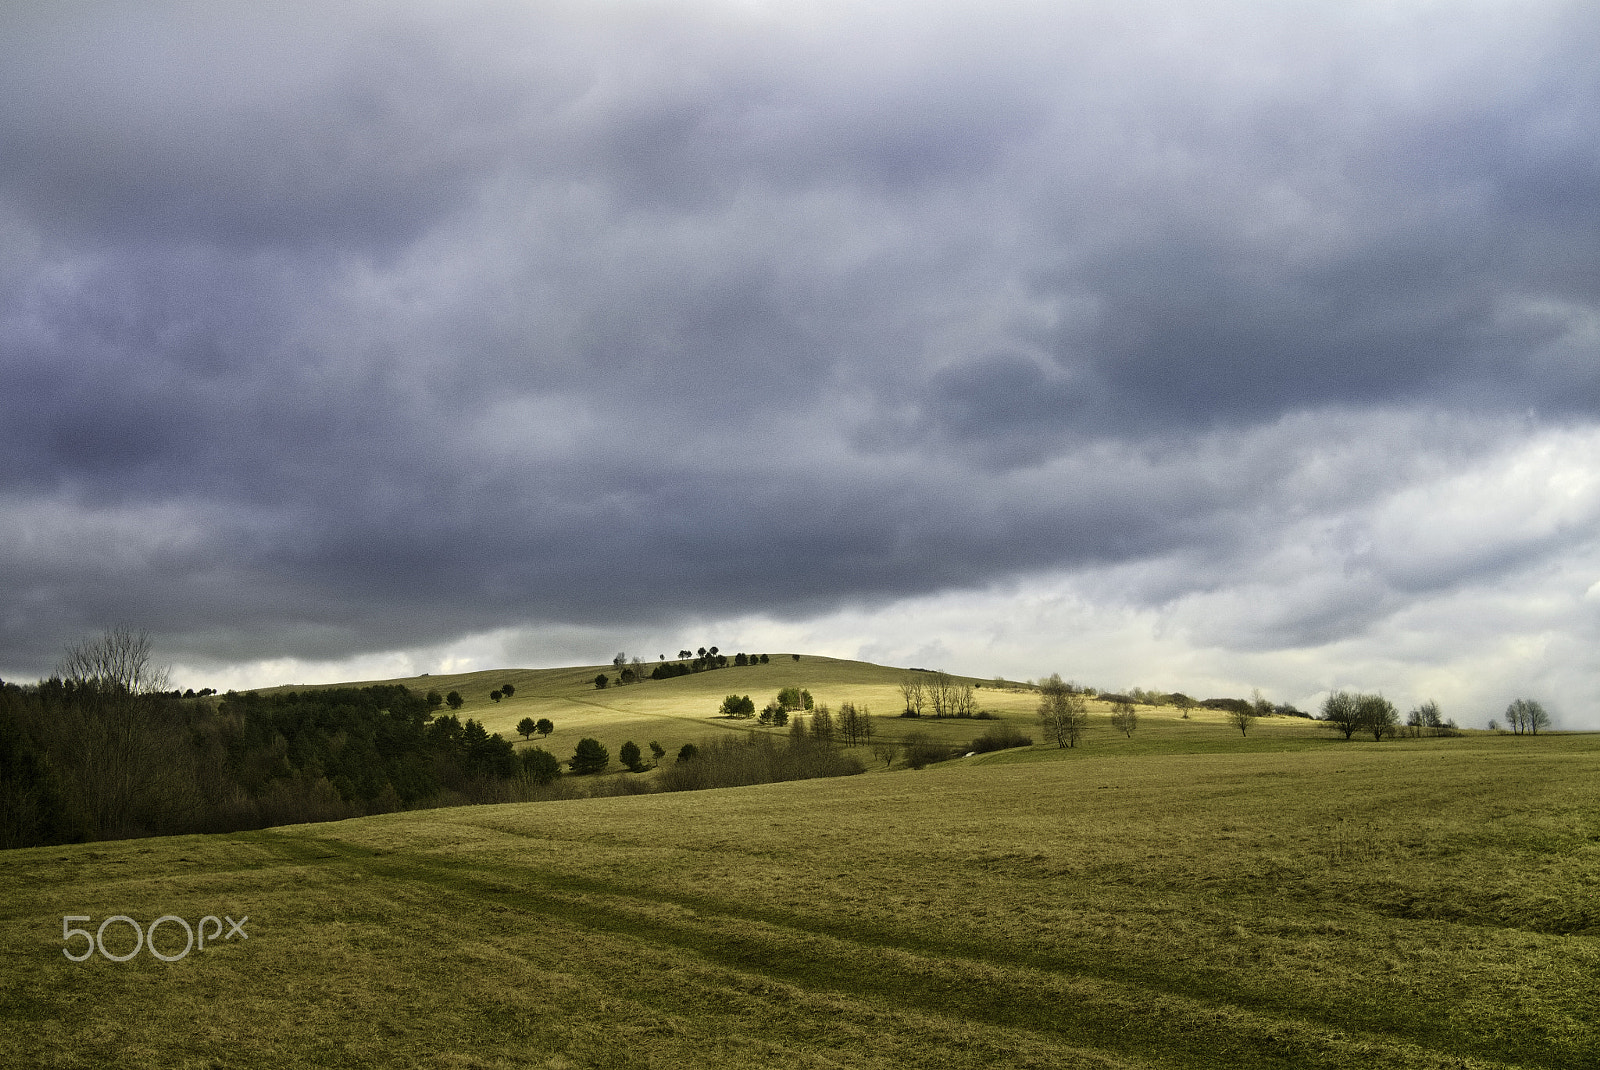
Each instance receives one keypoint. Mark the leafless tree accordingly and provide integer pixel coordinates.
(118, 660)
(912, 691)
(1242, 717)
(1526, 715)
(129, 766)
(1124, 718)
(1063, 710)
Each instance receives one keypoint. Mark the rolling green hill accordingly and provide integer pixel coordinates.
(684, 709)
(1185, 898)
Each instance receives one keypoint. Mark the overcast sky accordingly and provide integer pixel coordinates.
(1191, 346)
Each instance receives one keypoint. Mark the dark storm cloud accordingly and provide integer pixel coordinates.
(331, 333)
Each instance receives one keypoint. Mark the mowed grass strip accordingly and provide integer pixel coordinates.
(1361, 905)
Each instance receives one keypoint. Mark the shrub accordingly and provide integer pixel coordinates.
(756, 759)
(1000, 737)
(922, 751)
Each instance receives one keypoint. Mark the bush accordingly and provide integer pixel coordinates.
(756, 759)
(1000, 737)
(922, 751)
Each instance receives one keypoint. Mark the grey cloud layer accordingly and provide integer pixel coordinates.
(327, 334)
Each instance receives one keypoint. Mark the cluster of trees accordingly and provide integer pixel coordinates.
(756, 758)
(453, 700)
(103, 751)
(83, 760)
(1525, 715)
(689, 661)
(1245, 709)
(852, 724)
(528, 726)
(793, 698)
(703, 660)
(928, 693)
(1348, 712)
(789, 699)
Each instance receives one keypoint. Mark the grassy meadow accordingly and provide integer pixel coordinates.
(684, 709)
(1184, 898)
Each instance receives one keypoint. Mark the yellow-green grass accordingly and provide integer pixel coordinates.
(684, 709)
(1430, 903)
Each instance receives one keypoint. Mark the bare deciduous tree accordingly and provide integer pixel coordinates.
(1242, 717)
(1124, 718)
(118, 660)
(1342, 711)
(1063, 710)
(912, 691)
(1526, 715)
(1378, 716)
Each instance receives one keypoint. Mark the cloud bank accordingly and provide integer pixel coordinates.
(1247, 346)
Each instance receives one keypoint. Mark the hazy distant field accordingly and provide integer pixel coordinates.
(1284, 901)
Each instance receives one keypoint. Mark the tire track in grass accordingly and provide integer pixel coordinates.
(885, 972)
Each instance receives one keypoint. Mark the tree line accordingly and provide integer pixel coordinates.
(689, 661)
(88, 760)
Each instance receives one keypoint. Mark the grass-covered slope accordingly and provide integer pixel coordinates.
(1424, 903)
(680, 710)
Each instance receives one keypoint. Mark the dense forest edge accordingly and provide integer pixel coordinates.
(88, 761)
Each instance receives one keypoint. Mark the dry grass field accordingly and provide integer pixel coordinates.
(1186, 898)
